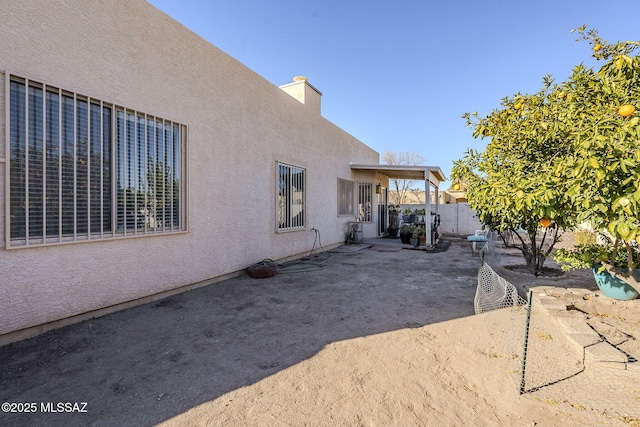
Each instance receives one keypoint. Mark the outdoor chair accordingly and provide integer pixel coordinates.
(480, 236)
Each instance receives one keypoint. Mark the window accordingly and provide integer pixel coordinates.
(365, 191)
(345, 197)
(82, 169)
(290, 197)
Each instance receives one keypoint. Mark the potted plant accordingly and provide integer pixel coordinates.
(392, 229)
(406, 232)
(421, 234)
(616, 271)
(408, 216)
(420, 214)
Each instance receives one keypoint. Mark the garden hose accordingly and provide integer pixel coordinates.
(301, 265)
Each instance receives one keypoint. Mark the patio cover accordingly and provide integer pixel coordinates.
(409, 172)
(432, 176)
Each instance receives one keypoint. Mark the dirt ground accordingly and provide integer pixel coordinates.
(373, 335)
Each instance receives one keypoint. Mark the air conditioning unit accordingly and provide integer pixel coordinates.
(354, 235)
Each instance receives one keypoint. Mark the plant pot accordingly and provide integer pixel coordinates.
(392, 232)
(409, 219)
(405, 237)
(614, 286)
(413, 241)
(422, 240)
(262, 270)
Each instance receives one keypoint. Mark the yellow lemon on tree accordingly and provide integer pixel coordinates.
(456, 187)
(519, 193)
(626, 110)
(597, 47)
(519, 105)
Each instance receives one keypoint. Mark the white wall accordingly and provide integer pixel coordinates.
(239, 126)
(458, 218)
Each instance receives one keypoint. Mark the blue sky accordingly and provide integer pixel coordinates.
(398, 75)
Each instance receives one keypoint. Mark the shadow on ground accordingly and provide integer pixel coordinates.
(147, 364)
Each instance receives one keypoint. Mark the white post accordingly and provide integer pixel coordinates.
(427, 209)
(437, 195)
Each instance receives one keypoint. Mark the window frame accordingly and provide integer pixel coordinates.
(92, 188)
(290, 206)
(345, 198)
(365, 195)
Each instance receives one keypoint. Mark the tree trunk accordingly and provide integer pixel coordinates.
(533, 252)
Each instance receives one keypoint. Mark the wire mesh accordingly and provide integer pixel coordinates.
(584, 363)
(570, 362)
(494, 292)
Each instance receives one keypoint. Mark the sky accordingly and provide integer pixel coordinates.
(398, 75)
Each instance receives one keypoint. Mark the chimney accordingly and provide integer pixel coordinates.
(306, 94)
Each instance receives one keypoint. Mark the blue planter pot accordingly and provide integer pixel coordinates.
(614, 287)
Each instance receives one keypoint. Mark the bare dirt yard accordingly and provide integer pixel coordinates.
(373, 335)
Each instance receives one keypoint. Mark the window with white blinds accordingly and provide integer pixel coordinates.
(290, 197)
(345, 197)
(82, 169)
(365, 196)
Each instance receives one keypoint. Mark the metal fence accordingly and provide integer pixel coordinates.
(585, 363)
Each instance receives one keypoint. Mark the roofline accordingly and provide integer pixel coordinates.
(403, 170)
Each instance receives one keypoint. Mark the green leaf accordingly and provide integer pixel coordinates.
(599, 175)
(613, 166)
(623, 229)
(600, 207)
(628, 162)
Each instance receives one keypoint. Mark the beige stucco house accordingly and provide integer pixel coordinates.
(137, 160)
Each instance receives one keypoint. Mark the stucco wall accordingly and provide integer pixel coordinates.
(458, 218)
(239, 125)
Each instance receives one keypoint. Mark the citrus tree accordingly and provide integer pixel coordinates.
(567, 154)
(602, 170)
(510, 184)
